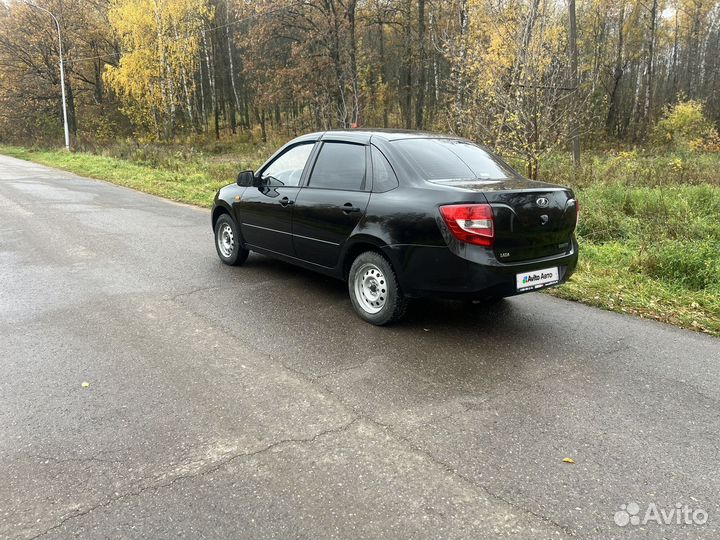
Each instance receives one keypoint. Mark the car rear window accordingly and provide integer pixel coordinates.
(447, 159)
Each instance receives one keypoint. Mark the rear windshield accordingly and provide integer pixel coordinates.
(447, 159)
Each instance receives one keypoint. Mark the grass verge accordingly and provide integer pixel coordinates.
(607, 279)
(191, 178)
(649, 231)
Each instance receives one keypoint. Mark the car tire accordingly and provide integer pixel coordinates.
(227, 242)
(374, 289)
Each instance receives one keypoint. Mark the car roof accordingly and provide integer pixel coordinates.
(365, 135)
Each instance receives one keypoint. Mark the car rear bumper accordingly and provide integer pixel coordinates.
(436, 271)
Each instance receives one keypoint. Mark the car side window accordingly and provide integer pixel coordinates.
(287, 169)
(339, 166)
(384, 178)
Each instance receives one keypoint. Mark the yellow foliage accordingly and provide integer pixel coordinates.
(685, 126)
(161, 43)
(511, 57)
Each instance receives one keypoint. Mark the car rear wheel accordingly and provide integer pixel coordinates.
(227, 242)
(374, 289)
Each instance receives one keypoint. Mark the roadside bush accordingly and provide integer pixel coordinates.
(685, 127)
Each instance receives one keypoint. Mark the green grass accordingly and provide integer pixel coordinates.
(649, 235)
(187, 176)
(609, 278)
(649, 229)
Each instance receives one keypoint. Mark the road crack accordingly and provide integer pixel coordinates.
(202, 472)
(361, 415)
(193, 291)
(465, 479)
(341, 370)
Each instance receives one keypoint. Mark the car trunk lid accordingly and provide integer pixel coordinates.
(532, 219)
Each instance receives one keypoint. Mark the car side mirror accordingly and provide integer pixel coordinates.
(246, 179)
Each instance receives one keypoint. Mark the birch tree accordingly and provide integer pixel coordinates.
(160, 42)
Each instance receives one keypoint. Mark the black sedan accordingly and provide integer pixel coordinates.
(400, 215)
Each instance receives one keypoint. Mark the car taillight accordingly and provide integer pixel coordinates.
(472, 223)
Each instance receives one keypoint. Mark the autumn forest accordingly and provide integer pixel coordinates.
(523, 76)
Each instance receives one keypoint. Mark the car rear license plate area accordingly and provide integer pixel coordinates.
(537, 279)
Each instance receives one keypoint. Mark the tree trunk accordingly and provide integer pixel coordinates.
(99, 89)
(406, 104)
(612, 117)
(383, 67)
(335, 54)
(674, 78)
(201, 75)
(231, 66)
(420, 99)
(216, 115)
(692, 53)
(355, 114)
(574, 134)
(70, 96)
(650, 67)
(460, 70)
(262, 125)
(213, 87)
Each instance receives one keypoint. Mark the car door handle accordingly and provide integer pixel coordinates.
(349, 208)
(286, 202)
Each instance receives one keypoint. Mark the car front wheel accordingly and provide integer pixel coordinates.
(227, 242)
(374, 289)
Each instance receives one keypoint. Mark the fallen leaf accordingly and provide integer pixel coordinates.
(568, 460)
(86, 385)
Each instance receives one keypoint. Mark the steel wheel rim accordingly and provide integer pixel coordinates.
(370, 288)
(226, 240)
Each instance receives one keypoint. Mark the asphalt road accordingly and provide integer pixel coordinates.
(251, 402)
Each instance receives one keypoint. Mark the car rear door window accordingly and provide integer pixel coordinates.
(384, 178)
(339, 166)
